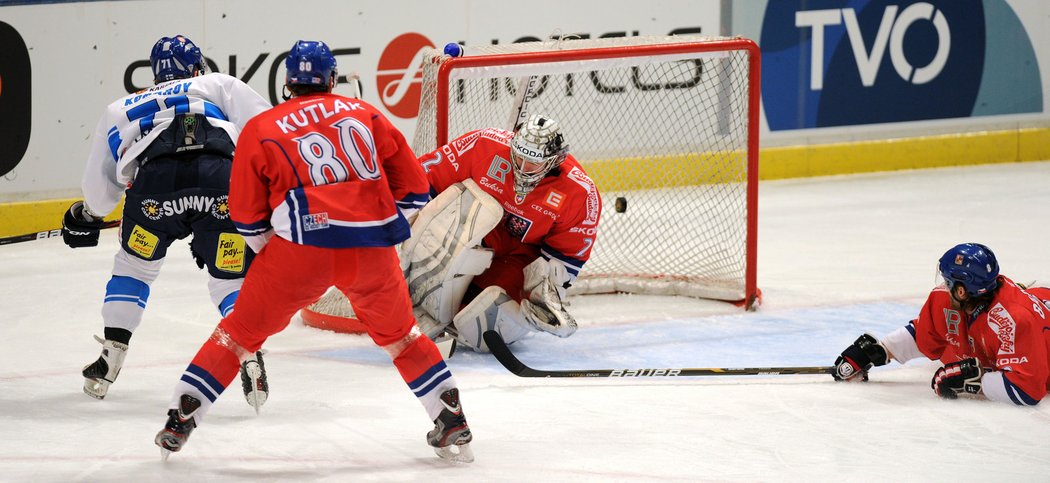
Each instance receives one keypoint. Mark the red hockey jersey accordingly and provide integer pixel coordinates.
(327, 171)
(1011, 336)
(558, 219)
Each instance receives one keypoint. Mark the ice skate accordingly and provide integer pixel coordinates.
(451, 435)
(100, 374)
(253, 381)
(179, 426)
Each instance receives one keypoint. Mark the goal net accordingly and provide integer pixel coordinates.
(667, 127)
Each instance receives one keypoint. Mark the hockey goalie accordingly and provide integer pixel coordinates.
(513, 225)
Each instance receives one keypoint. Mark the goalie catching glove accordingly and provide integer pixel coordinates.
(544, 309)
(858, 358)
(958, 377)
(80, 228)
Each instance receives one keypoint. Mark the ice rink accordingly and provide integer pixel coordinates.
(837, 257)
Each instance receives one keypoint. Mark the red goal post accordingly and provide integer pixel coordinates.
(666, 126)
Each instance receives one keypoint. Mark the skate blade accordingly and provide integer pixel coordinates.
(256, 400)
(96, 388)
(458, 453)
(255, 397)
(164, 454)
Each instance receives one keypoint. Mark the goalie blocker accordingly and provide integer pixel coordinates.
(444, 254)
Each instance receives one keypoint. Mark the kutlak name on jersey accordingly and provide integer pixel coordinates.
(316, 112)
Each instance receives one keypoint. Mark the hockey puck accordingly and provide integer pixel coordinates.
(621, 204)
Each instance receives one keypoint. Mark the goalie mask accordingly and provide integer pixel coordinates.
(536, 149)
(175, 58)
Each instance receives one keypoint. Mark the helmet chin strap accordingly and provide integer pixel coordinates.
(955, 298)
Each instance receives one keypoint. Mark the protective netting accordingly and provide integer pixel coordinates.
(665, 132)
(332, 312)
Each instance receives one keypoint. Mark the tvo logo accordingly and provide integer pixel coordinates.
(891, 31)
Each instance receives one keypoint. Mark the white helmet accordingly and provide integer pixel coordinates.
(536, 149)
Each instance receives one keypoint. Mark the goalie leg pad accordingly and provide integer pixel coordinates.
(492, 309)
(436, 332)
(441, 257)
(430, 327)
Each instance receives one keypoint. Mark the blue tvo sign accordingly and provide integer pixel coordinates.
(842, 63)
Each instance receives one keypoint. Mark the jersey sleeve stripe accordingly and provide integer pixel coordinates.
(114, 142)
(249, 229)
(293, 221)
(572, 265)
(214, 111)
(413, 200)
(1018, 396)
(363, 224)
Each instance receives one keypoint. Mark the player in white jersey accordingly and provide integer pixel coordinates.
(169, 150)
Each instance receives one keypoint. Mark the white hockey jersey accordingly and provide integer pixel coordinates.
(132, 122)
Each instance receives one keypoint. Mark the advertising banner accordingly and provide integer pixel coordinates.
(847, 63)
(83, 55)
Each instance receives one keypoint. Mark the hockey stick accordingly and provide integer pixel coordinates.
(519, 113)
(47, 234)
(506, 357)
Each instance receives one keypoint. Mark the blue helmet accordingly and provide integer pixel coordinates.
(309, 63)
(972, 265)
(175, 58)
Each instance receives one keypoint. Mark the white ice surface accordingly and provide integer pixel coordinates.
(837, 257)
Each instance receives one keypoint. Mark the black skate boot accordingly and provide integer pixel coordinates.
(253, 381)
(179, 426)
(100, 374)
(451, 435)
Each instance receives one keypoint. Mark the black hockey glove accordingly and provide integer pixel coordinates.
(858, 358)
(957, 377)
(79, 228)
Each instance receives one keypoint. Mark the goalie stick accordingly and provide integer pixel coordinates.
(506, 357)
(47, 234)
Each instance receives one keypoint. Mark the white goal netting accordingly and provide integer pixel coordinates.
(666, 127)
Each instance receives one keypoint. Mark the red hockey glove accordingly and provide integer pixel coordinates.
(957, 377)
